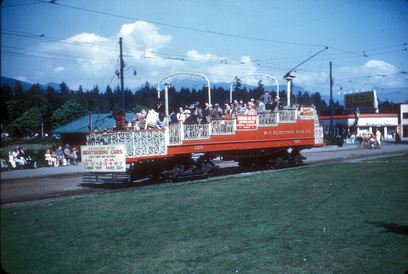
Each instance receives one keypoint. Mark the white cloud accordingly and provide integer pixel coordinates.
(220, 69)
(143, 36)
(374, 74)
(86, 38)
(22, 79)
(88, 59)
(59, 69)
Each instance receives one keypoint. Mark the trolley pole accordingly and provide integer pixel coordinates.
(122, 65)
(331, 101)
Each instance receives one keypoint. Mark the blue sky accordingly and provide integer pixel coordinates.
(77, 42)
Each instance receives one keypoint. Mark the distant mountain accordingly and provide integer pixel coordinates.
(26, 86)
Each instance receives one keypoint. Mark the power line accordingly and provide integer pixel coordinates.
(188, 28)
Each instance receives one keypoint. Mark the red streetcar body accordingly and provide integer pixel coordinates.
(271, 138)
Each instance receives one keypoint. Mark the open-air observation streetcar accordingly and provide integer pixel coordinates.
(272, 138)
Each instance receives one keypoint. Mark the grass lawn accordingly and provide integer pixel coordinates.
(347, 218)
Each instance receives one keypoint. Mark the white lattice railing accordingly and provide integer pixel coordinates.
(196, 131)
(318, 134)
(137, 143)
(287, 116)
(222, 126)
(268, 119)
(175, 133)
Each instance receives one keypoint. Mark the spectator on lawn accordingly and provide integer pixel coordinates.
(60, 156)
(68, 155)
(17, 158)
(51, 160)
(11, 160)
(4, 165)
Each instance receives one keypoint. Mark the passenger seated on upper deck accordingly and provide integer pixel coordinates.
(180, 115)
(190, 119)
(136, 121)
(161, 121)
(207, 111)
(139, 123)
(159, 107)
(215, 114)
(200, 117)
(120, 120)
(173, 117)
(226, 115)
(273, 104)
(250, 109)
(142, 122)
(261, 106)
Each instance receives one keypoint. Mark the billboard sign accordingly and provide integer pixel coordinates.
(360, 100)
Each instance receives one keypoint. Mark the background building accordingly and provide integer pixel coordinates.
(404, 122)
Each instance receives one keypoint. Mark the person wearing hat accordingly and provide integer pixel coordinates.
(190, 119)
(69, 156)
(250, 109)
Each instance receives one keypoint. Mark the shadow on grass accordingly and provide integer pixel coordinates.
(391, 228)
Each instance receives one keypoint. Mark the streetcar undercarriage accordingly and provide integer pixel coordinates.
(201, 164)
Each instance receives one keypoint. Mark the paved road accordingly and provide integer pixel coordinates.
(53, 183)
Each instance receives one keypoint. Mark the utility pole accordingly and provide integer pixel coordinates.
(122, 65)
(331, 101)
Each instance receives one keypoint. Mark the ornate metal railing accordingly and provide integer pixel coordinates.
(222, 126)
(268, 119)
(318, 134)
(137, 143)
(196, 131)
(175, 133)
(287, 116)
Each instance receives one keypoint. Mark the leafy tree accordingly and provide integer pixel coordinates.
(28, 124)
(69, 112)
(138, 108)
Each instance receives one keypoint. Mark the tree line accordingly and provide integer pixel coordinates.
(23, 112)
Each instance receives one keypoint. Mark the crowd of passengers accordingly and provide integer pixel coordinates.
(155, 118)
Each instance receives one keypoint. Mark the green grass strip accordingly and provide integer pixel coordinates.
(334, 218)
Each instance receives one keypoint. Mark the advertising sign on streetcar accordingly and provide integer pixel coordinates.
(246, 122)
(103, 158)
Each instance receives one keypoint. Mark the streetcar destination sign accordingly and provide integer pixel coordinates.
(103, 158)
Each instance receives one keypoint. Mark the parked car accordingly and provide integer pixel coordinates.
(56, 136)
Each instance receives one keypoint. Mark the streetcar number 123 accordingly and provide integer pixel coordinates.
(198, 147)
